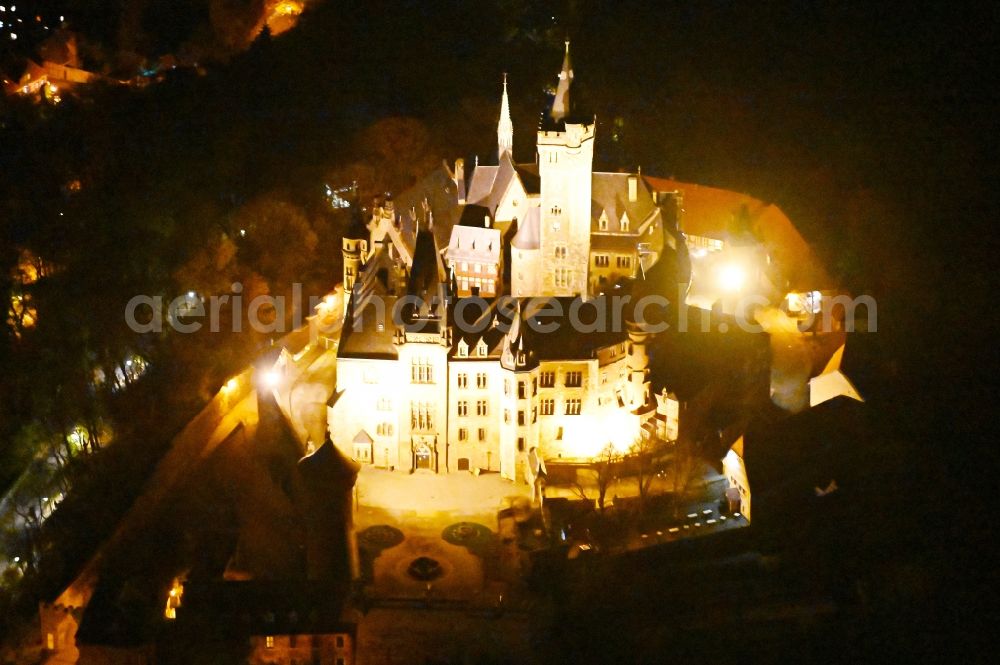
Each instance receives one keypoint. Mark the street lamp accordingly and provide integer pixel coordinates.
(731, 277)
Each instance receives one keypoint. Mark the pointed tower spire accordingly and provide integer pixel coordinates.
(560, 105)
(505, 128)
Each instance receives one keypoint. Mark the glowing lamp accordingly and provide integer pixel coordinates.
(272, 378)
(731, 277)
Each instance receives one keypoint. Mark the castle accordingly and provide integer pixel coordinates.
(442, 364)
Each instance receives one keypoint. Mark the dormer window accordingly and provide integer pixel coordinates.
(602, 223)
(463, 349)
(481, 349)
(624, 221)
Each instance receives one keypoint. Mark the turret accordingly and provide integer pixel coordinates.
(505, 128)
(354, 246)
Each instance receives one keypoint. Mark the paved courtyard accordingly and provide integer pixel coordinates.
(421, 508)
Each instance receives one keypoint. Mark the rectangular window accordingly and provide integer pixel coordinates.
(421, 416)
(602, 260)
(384, 404)
(482, 433)
(574, 379)
(506, 415)
(520, 418)
(520, 444)
(463, 407)
(463, 380)
(573, 407)
(269, 641)
(481, 380)
(340, 641)
(548, 379)
(522, 390)
(561, 251)
(625, 262)
(548, 407)
(482, 407)
(421, 371)
(463, 434)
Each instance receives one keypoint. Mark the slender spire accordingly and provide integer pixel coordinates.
(560, 105)
(505, 128)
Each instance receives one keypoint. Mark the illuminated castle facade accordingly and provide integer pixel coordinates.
(442, 364)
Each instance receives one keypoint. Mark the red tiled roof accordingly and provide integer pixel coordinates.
(708, 211)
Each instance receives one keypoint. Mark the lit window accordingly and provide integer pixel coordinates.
(269, 641)
(421, 371)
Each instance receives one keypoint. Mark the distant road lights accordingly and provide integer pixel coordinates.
(732, 277)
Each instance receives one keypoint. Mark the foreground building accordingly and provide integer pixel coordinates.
(442, 362)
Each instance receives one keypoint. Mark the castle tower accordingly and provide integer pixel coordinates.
(354, 248)
(637, 361)
(505, 128)
(565, 164)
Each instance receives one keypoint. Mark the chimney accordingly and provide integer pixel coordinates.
(633, 188)
(460, 180)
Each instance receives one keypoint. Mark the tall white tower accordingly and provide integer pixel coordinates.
(505, 128)
(565, 165)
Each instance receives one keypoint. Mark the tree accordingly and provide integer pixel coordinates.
(602, 470)
(684, 467)
(645, 454)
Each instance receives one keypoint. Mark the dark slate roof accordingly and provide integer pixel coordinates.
(609, 193)
(473, 215)
(481, 183)
(428, 270)
(564, 342)
(808, 449)
(529, 177)
(327, 463)
(440, 192)
(363, 338)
